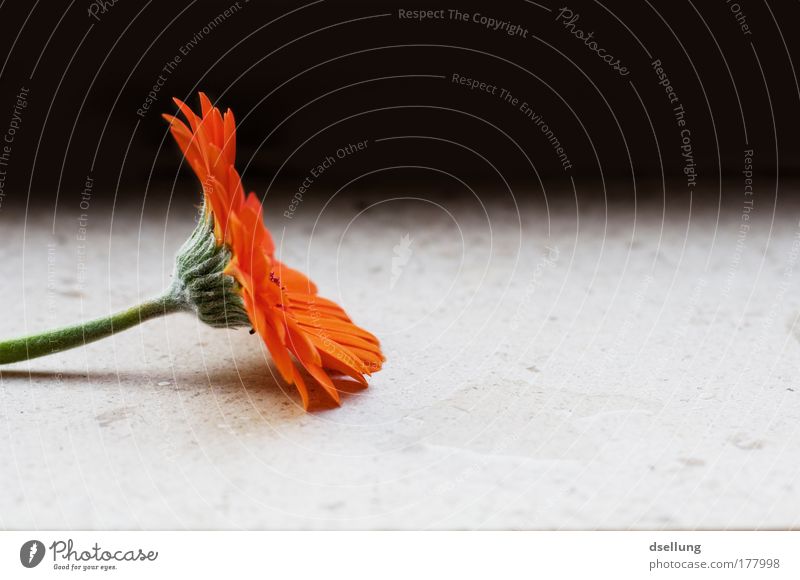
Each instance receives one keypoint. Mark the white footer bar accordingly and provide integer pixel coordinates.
(388, 555)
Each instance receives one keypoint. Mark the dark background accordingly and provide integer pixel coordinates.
(306, 79)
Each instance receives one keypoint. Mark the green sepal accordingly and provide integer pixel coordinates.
(200, 282)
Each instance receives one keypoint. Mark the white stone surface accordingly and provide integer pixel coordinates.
(639, 374)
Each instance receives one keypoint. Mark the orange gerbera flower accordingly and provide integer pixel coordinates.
(281, 303)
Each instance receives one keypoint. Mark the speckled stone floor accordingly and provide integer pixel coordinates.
(582, 369)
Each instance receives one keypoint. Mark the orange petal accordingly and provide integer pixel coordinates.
(301, 344)
(300, 384)
(229, 137)
(342, 354)
(335, 325)
(205, 104)
(324, 380)
(331, 362)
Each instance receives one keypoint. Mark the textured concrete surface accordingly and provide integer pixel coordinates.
(583, 369)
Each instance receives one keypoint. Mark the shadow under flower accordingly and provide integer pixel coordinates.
(252, 378)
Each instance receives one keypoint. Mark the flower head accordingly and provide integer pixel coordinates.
(281, 304)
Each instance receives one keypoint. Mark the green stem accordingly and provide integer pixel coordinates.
(60, 339)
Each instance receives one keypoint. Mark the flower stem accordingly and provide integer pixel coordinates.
(61, 339)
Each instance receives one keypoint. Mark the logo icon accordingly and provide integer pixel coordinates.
(402, 254)
(31, 553)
